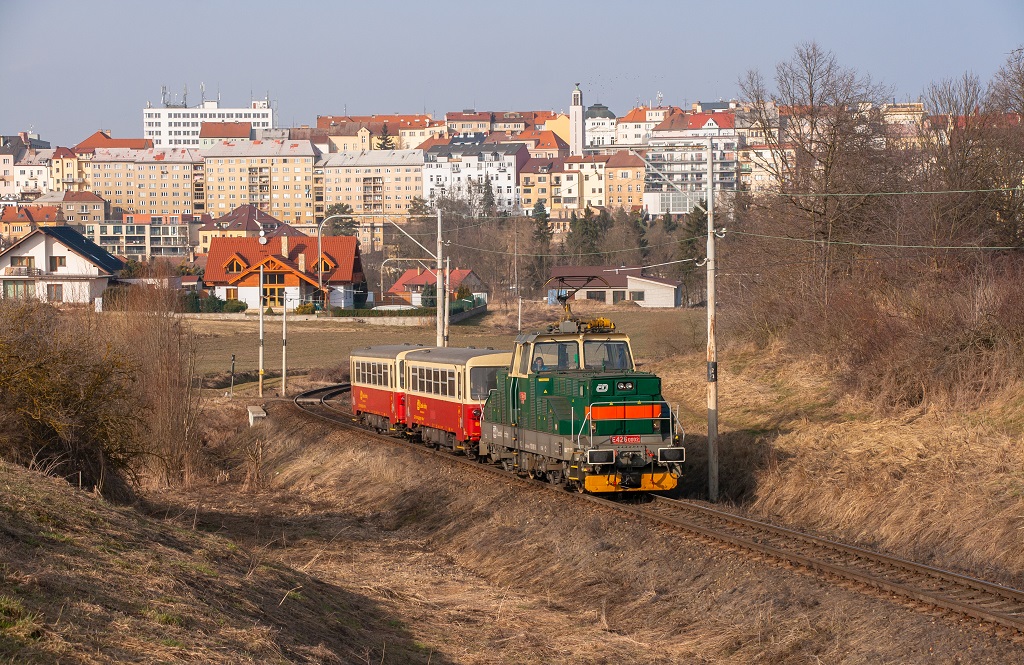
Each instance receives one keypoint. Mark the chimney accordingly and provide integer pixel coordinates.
(302, 262)
(419, 270)
(284, 246)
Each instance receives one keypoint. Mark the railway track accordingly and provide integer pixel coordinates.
(958, 594)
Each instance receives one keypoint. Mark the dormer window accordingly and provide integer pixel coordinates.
(235, 266)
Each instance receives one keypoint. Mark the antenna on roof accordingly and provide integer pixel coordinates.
(202, 92)
(660, 97)
(184, 96)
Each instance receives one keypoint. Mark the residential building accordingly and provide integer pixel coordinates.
(16, 222)
(246, 221)
(409, 287)
(212, 133)
(70, 168)
(614, 284)
(677, 160)
(275, 176)
(32, 173)
(589, 182)
(456, 170)
(78, 208)
(549, 121)
(144, 237)
(624, 182)
(539, 179)
(599, 126)
(154, 181)
(294, 269)
(178, 125)
(56, 264)
(634, 129)
(468, 121)
(379, 185)
(543, 144)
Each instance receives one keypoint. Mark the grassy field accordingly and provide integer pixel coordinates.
(326, 343)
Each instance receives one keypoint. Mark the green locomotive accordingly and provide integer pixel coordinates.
(571, 408)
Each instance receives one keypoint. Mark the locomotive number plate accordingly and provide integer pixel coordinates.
(626, 438)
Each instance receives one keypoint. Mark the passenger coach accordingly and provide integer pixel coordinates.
(445, 392)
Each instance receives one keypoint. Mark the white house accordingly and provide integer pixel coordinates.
(614, 284)
(56, 264)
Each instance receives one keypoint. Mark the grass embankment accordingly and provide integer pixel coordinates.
(82, 581)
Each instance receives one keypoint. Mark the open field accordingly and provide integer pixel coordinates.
(327, 342)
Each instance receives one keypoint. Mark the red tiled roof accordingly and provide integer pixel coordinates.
(340, 252)
(225, 130)
(29, 214)
(543, 139)
(431, 142)
(536, 164)
(419, 277)
(250, 218)
(624, 158)
(723, 120)
(101, 139)
(639, 114)
(63, 153)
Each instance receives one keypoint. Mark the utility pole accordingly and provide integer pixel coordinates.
(447, 304)
(260, 300)
(284, 347)
(440, 285)
(712, 344)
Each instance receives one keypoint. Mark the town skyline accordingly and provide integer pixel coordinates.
(450, 56)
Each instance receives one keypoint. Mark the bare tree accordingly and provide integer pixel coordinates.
(1007, 90)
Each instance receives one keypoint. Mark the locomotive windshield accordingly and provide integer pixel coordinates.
(556, 355)
(482, 380)
(607, 354)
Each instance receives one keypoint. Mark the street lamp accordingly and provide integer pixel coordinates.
(320, 255)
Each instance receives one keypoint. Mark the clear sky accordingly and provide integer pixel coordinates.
(70, 67)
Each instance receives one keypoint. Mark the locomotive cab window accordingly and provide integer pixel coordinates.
(556, 356)
(607, 355)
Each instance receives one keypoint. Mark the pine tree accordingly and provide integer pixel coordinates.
(385, 141)
(340, 226)
(487, 199)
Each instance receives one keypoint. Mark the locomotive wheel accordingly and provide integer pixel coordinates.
(554, 477)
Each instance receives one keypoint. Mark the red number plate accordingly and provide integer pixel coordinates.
(626, 438)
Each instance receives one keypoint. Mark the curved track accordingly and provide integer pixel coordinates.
(991, 603)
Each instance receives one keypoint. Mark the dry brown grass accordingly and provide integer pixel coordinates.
(541, 582)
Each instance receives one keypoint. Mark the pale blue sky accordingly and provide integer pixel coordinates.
(69, 67)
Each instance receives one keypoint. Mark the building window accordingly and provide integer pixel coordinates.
(58, 262)
(636, 296)
(599, 296)
(55, 293)
(235, 266)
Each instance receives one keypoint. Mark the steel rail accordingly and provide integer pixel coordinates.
(992, 603)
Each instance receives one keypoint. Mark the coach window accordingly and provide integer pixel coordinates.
(451, 384)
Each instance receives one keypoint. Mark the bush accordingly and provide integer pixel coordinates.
(305, 308)
(233, 306)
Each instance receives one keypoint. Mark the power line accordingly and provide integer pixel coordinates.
(849, 243)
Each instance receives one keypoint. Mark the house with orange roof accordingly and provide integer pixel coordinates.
(16, 222)
(295, 270)
(409, 287)
(468, 121)
(634, 128)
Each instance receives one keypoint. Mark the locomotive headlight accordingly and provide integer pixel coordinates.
(624, 385)
(475, 413)
(657, 425)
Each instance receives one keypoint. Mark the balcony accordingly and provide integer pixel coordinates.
(22, 271)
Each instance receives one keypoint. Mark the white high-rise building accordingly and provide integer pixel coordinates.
(179, 125)
(577, 128)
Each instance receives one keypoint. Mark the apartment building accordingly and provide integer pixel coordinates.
(155, 181)
(181, 126)
(624, 180)
(454, 170)
(78, 208)
(600, 125)
(275, 176)
(468, 121)
(377, 184)
(677, 159)
(589, 183)
(71, 168)
(634, 129)
(539, 179)
(144, 237)
(212, 133)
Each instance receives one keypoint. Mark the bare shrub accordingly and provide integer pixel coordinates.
(68, 399)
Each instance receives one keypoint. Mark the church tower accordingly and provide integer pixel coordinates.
(577, 129)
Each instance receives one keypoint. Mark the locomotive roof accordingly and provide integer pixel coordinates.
(458, 356)
(384, 351)
(548, 336)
